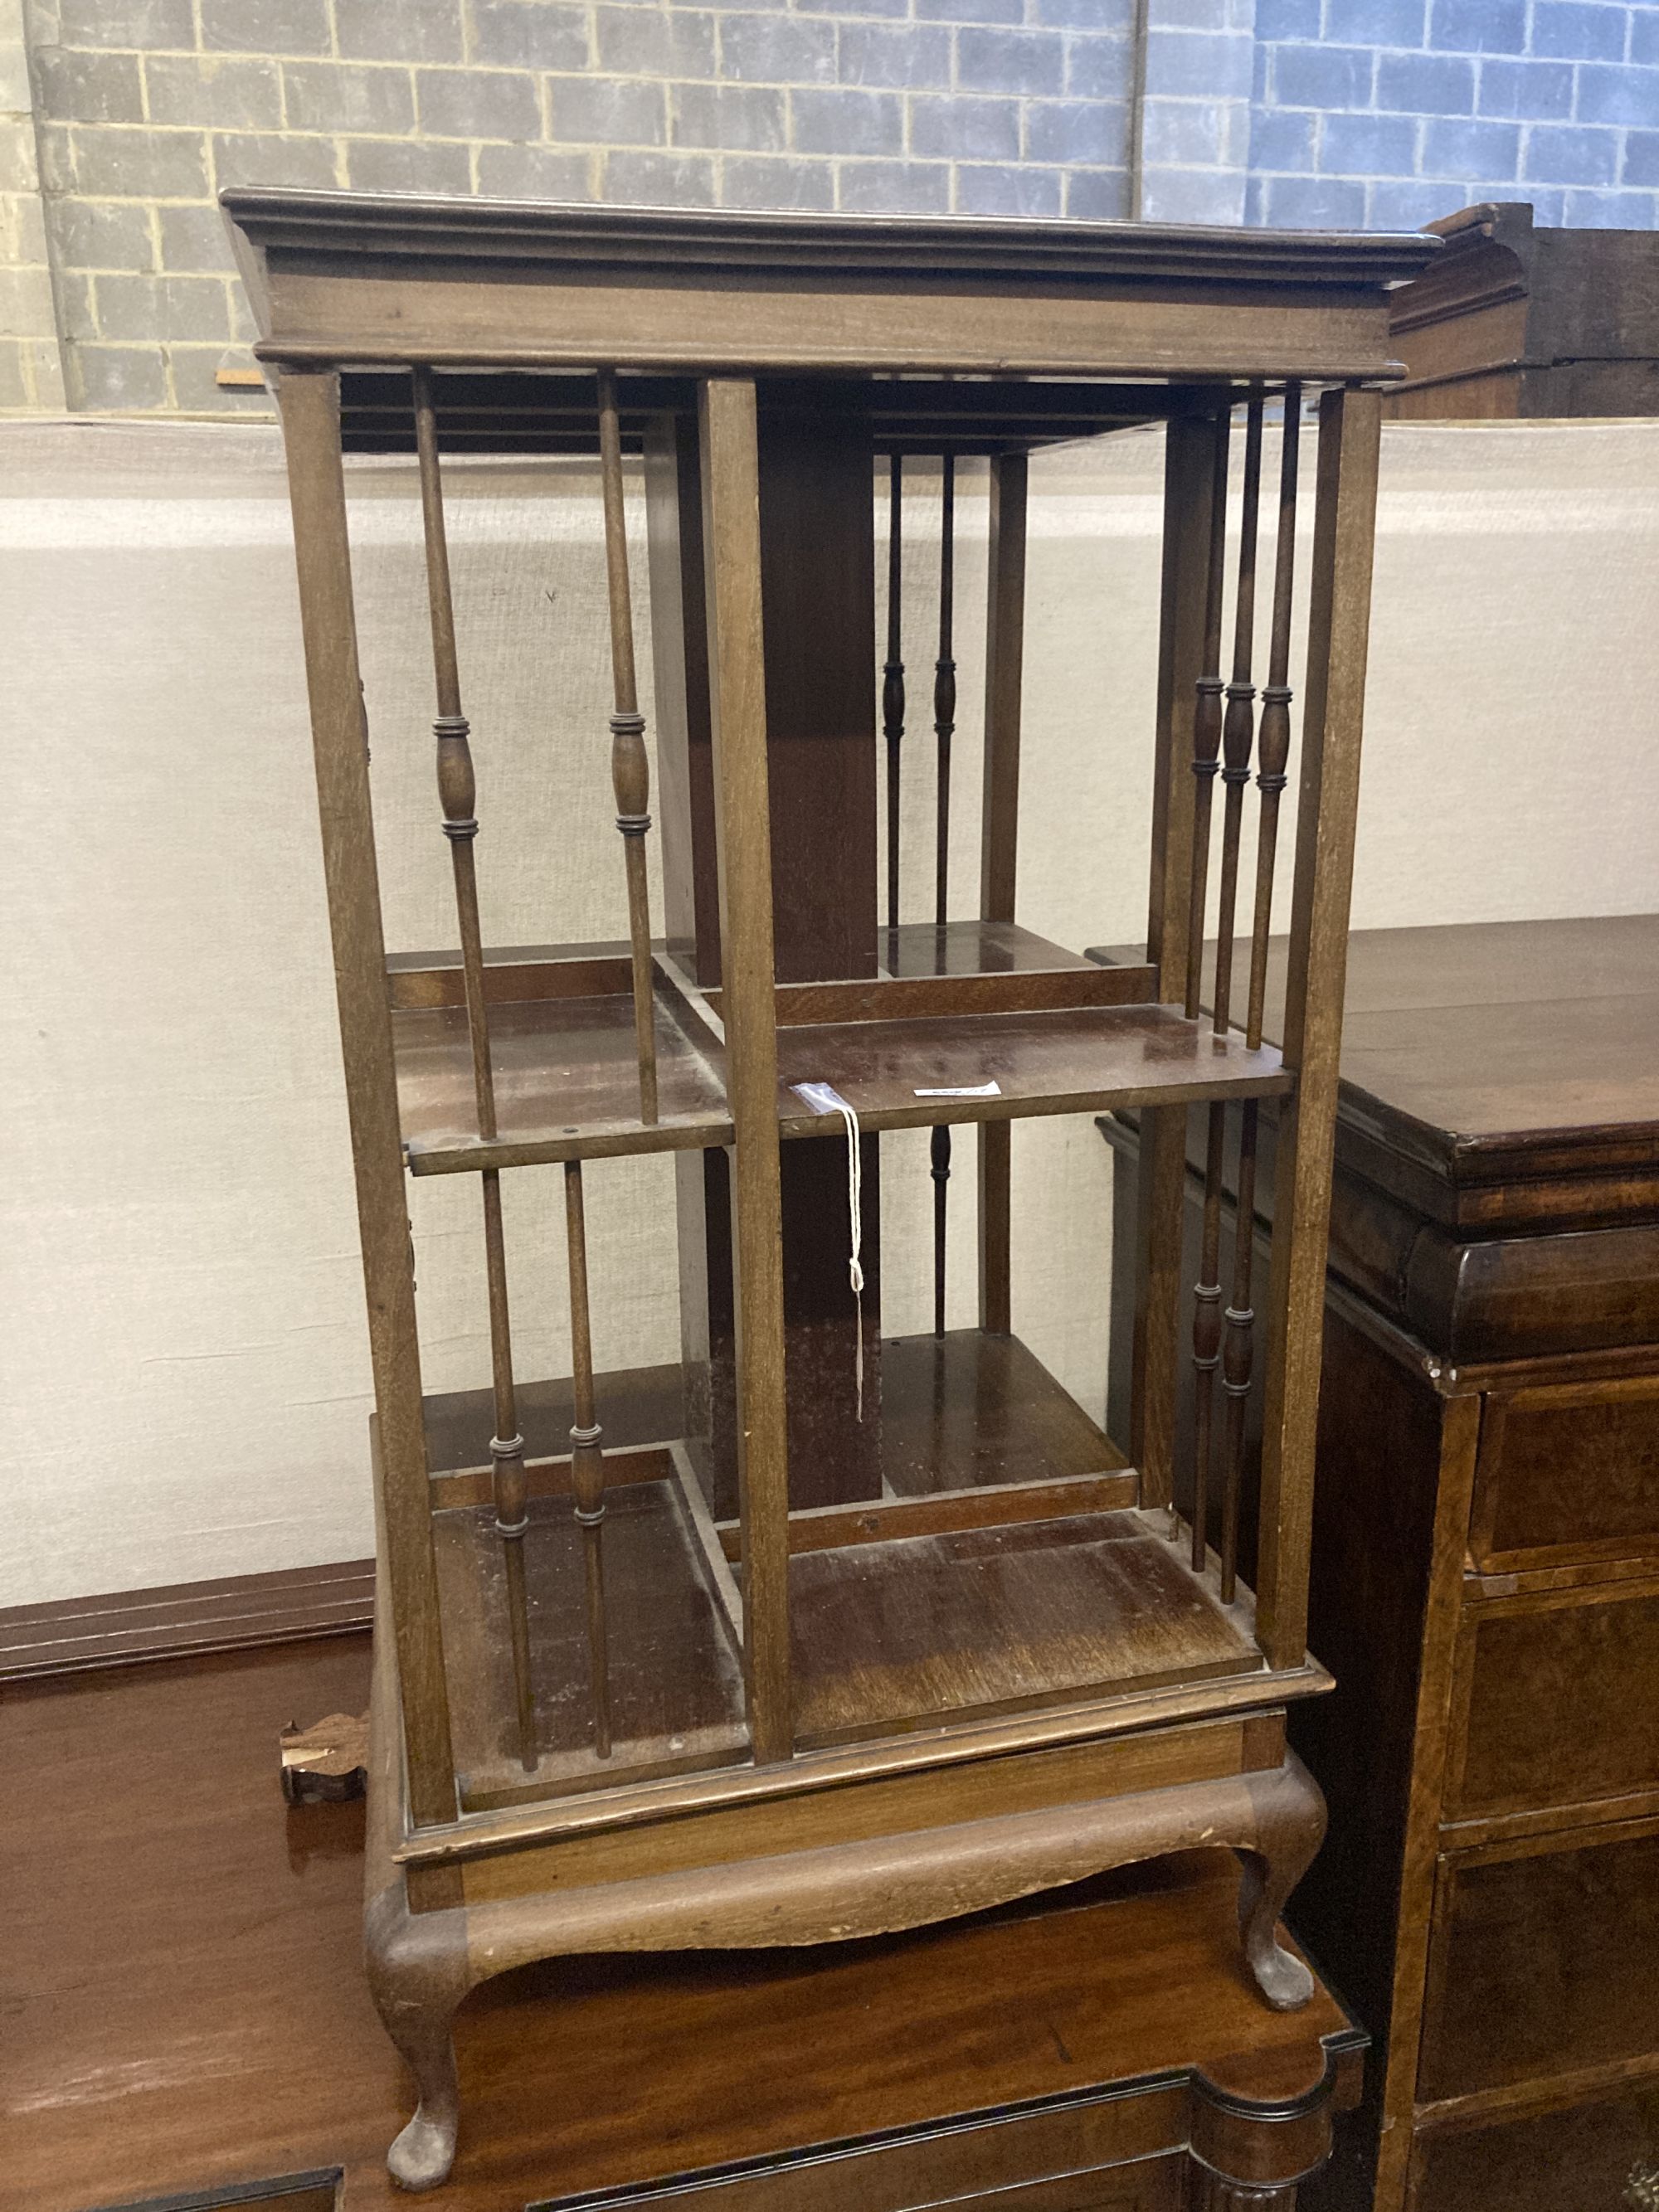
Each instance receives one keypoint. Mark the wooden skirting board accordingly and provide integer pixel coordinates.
(74, 1635)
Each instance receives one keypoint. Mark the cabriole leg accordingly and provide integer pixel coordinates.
(1290, 1825)
(417, 1977)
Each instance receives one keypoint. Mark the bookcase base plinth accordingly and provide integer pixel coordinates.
(489, 1916)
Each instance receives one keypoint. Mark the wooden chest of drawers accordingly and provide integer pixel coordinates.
(1485, 1580)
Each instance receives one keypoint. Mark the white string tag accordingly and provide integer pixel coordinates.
(824, 1098)
(992, 1090)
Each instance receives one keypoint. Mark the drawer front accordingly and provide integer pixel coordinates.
(1566, 1474)
(1543, 1959)
(1559, 1701)
(1602, 2157)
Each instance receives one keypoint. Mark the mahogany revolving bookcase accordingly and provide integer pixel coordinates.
(823, 1633)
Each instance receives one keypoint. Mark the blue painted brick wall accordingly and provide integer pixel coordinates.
(1390, 113)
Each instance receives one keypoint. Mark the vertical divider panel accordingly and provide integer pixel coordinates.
(1004, 656)
(730, 492)
(1350, 424)
(1187, 471)
(310, 405)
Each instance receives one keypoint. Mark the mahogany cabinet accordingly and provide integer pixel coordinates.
(1485, 1564)
(1518, 319)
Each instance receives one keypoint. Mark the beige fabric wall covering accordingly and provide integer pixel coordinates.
(184, 1378)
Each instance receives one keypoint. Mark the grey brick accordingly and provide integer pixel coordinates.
(1100, 69)
(659, 179)
(1559, 154)
(651, 42)
(1287, 19)
(1114, 15)
(55, 147)
(1479, 27)
(1624, 95)
(477, 104)
(399, 30)
(1531, 92)
(1644, 35)
(535, 33)
(99, 234)
(1374, 22)
(73, 86)
(1595, 210)
(1315, 203)
(849, 6)
(746, 119)
(77, 312)
(534, 172)
(1483, 153)
(846, 122)
(607, 110)
(16, 391)
(753, 181)
(777, 50)
(1571, 30)
(970, 11)
(1181, 134)
(1328, 76)
(1642, 158)
(1208, 64)
(1098, 195)
(195, 369)
(1019, 188)
(1282, 138)
(125, 378)
(151, 165)
(249, 157)
(1094, 133)
(1425, 84)
(894, 187)
(965, 129)
(407, 165)
(162, 307)
(339, 96)
(271, 27)
(1406, 203)
(195, 238)
(1365, 145)
(899, 54)
(1010, 61)
(146, 23)
(236, 95)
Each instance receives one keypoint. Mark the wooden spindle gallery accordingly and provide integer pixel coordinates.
(831, 1629)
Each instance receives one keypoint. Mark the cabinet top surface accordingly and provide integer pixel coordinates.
(409, 223)
(358, 279)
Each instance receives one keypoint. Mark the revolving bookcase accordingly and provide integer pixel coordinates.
(821, 1633)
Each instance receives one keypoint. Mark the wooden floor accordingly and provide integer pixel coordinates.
(183, 2005)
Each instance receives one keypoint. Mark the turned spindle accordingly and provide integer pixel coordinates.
(1274, 748)
(892, 677)
(457, 794)
(1239, 1353)
(1238, 724)
(630, 771)
(586, 1459)
(1206, 1332)
(1207, 721)
(945, 713)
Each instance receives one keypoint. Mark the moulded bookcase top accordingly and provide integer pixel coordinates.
(361, 279)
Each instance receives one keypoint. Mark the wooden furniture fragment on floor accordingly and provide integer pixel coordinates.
(1486, 1563)
(776, 1658)
(1517, 320)
(205, 1987)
